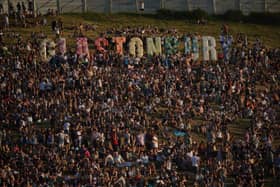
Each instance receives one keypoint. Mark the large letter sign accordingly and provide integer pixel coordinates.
(171, 45)
(209, 48)
(119, 44)
(192, 47)
(136, 47)
(195, 48)
(82, 47)
(188, 45)
(153, 47)
(47, 49)
(61, 46)
(43, 49)
(100, 43)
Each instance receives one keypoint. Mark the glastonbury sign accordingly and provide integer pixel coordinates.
(153, 46)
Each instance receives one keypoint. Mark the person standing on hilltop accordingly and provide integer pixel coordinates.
(1, 8)
(54, 25)
(6, 21)
(225, 29)
(60, 23)
(18, 8)
(23, 7)
(31, 8)
(81, 29)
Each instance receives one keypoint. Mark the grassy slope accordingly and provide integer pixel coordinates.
(270, 35)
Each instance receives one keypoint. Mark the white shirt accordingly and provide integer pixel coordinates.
(61, 138)
(219, 134)
(109, 159)
(67, 138)
(155, 142)
(118, 159)
(145, 159)
(190, 154)
(141, 139)
(259, 124)
(6, 20)
(30, 119)
(169, 165)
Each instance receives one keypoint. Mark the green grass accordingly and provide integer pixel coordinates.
(270, 35)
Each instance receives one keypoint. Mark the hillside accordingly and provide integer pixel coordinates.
(100, 23)
(270, 35)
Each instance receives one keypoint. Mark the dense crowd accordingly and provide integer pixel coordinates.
(111, 120)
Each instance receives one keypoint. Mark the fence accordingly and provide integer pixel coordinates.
(210, 6)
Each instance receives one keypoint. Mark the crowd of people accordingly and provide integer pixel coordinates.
(112, 120)
(21, 12)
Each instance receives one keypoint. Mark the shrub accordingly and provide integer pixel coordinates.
(193, 15)
(199, 14)
(263, 18)
(233, 15)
